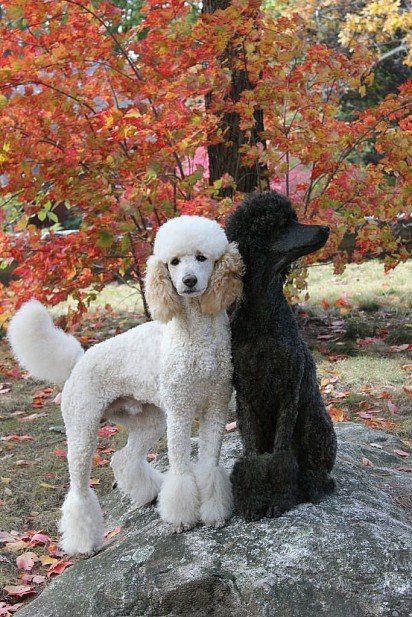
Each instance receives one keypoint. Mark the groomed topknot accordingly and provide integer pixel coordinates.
(258, 216)
(187, 235)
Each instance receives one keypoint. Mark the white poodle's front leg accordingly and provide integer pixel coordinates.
(216, 499)
(179, 497)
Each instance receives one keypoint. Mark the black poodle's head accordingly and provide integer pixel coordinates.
(265, 225)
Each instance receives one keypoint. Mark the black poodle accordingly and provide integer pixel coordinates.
(288, 437)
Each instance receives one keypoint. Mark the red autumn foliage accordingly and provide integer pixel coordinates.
(110, 124)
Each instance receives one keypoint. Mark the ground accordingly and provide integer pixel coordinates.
(358, 327)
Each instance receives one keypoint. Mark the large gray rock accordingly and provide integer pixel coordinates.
(347, 557)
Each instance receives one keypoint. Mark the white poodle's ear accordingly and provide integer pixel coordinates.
(225, 284)
(161, 296)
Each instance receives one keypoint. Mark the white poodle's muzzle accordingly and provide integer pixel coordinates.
(190, 274)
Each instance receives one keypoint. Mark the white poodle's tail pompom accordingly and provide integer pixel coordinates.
(45, 351)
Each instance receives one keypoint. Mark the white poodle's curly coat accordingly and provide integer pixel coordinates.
(160, 373)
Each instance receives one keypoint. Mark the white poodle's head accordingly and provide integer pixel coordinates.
(192, 258)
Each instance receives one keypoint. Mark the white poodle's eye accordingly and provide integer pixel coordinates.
(175, 261)
(201, 258)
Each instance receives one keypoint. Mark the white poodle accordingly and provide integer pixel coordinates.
(161, 372)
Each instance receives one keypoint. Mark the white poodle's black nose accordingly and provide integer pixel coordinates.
(190, 280)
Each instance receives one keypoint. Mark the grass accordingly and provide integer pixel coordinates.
(356, 325)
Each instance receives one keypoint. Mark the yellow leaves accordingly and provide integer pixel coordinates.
(3, 101)
(4, 151)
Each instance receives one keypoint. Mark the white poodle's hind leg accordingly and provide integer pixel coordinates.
(134, 475)
(179, 495)
(216, 498)
(81, 525)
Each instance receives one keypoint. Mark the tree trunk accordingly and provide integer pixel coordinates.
(224, 157)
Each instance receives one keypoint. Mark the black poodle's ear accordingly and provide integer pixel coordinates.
(161, 296)
(225, 284)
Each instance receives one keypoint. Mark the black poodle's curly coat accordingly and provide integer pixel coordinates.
(288, 437)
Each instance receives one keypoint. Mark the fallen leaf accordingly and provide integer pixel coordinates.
(99, 461)
(336, 413)
(5, 536)
(94, 482)
(18, 591)
(38, 579)
(5, 387)
(31, 417)
(17, 438)
(367, 462)
(376, 445)
(6, 609)
(23, 463)
(58, 568)
(110, 534)
(325, 304)
(400, 348)
(26, 561)
(408, 390)
(58, 399)
(107, 431)
(402, 453)
(406, 469)
(231, 426)
(60, 453)
(16, 546)
(39, 538)
(54, 550)
(47, 560)
(392, 407)
(151, 456)
(407, 367)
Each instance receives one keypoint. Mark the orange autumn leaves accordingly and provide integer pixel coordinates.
(107, 125)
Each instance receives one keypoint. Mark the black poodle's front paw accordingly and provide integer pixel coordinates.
(250, 488)
(316, 485)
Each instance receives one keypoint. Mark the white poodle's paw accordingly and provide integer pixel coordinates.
(181, 527)
(136, 478)
(216, 499)
(81, 524)
(178, 502)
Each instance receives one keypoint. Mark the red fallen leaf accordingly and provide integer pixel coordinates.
(367, 462)
(408, 390)
(110, 534)
(26, 561)
(335, 413)
(325, 304)
(384, 394)
(400, 348)
(392, 407)
(99, 461)
(58, 399)
(369, 340)
(18, 591)
(402, 453)
(231, 426)
(103, 450)
(6, 609)
(54, 550)
(5, 387)
(151, 456)
(17, 438)
(23, 463)
(60, 453)
(406, 469)
(94, 482)
(39, 538)
(107, 431)
(364, 415)
(58, 568)
(342, 302)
